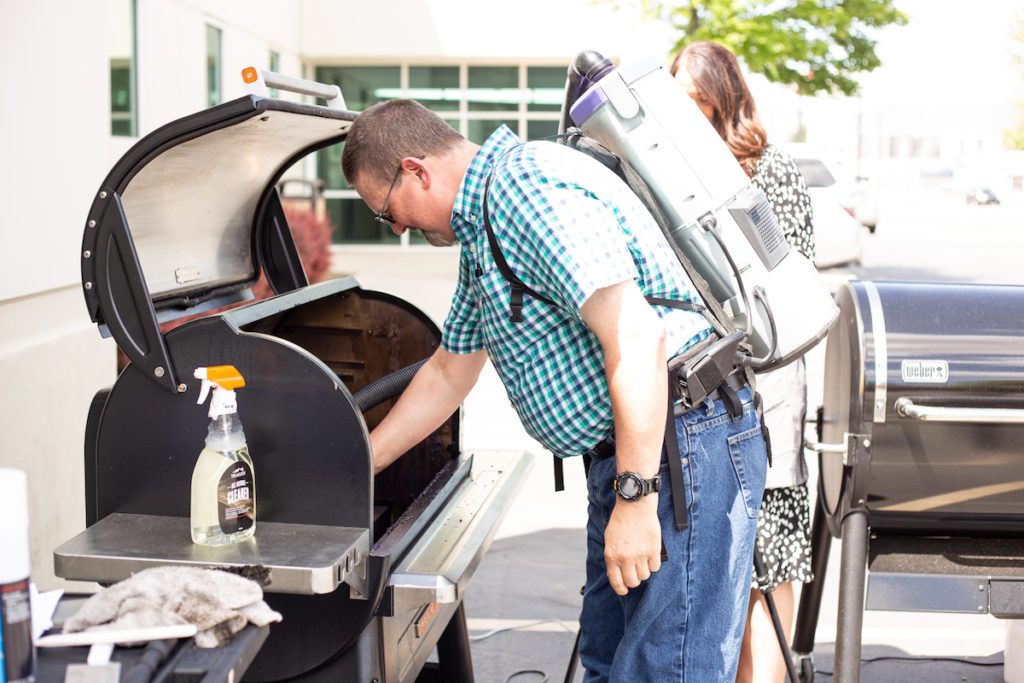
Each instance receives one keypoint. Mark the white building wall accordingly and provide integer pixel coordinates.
(55, 124)
(57, 149)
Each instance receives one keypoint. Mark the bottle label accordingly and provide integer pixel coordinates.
(17, 656)
(235, 499)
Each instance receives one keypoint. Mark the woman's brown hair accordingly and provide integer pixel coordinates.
(717, 77)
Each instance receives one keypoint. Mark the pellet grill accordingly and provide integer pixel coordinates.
(368, 571)
(921, 456)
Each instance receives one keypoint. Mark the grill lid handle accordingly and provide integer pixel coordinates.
(905, 407)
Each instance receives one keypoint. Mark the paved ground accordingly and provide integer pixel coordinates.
(524, 600)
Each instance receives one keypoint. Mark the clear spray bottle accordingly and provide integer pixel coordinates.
(223, 481)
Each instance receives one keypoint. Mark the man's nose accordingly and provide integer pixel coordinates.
(397, 228)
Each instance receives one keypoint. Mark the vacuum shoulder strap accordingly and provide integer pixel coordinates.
(515, 285)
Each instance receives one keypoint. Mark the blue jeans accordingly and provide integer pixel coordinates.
(685, 623)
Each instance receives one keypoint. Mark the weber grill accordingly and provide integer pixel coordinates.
(921, 456)
(368, 571)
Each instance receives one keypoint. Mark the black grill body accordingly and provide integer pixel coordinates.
(184, 224)
(921, 454)
(925, 392)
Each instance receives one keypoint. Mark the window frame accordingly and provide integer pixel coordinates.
(520, 114)
(218, 66)
(132, 114)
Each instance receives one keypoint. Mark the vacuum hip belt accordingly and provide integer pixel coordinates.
(726, 391)
(605, 448)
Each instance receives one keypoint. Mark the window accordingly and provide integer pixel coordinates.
(473, 99)
(275, 67)
(121, 39)
(213, 83)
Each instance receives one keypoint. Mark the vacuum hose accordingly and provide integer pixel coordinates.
(383, 388)
(587, 67)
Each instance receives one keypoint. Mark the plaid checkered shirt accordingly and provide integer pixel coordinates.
(567, 227)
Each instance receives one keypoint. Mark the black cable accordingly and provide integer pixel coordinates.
(528, 671)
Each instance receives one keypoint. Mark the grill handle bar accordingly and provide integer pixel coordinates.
(906, 408)
(819, 447)
(258, 82)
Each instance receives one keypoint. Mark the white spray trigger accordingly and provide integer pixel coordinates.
(200, 373)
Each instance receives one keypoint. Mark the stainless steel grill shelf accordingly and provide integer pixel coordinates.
(303, 559)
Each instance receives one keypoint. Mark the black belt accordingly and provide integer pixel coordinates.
(605, 448)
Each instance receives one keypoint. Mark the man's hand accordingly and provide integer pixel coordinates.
(632, 543)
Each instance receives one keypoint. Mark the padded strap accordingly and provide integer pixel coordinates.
(675, 468)
(516, 287)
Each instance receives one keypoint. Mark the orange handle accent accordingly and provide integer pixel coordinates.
(249, 74)
(226, 376)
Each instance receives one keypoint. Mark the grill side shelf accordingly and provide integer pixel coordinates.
(304, 559)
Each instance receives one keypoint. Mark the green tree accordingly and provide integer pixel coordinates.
(1013, 134)
(817, 45)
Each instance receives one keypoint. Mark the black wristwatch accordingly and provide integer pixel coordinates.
(632, 487)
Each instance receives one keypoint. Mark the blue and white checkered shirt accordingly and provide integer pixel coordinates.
(567, 227)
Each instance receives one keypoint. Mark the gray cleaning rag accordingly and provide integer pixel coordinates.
(220, 604)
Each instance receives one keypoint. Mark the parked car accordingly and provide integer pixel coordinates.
(982, 195)
(837, 233)
(861, 202)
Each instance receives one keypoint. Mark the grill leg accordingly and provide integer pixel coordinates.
(851, 596)
(810, 594)
(455, 665)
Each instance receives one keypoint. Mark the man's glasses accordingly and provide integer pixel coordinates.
(382, 216)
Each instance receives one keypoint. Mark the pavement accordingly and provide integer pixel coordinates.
(523, 602)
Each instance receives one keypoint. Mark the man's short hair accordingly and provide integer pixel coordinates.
(389, 131)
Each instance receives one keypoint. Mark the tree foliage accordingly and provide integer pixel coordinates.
(1013, 134)
(816, 45)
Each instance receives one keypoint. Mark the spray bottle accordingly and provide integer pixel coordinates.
(223, 481)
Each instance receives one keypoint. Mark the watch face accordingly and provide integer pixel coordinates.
(629, 486)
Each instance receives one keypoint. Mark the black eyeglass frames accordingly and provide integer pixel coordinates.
(382, 216)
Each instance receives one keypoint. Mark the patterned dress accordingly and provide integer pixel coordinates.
(783, 526)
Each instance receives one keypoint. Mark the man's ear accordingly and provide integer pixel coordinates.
(419, 169)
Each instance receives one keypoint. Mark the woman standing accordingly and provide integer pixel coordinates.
(710, 74)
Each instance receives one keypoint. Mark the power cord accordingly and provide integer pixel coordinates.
(525, 672)
(496, 631)
(528, 671)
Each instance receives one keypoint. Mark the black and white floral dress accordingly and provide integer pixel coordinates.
(783, 526)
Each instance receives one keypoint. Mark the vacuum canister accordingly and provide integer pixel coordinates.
(707, 202)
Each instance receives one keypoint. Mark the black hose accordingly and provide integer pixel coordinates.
(155, 653)
(586, 68)
(383, 388)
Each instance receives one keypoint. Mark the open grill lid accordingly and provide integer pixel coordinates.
(189, 216)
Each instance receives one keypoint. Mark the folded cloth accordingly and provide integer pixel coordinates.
(219, 603)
